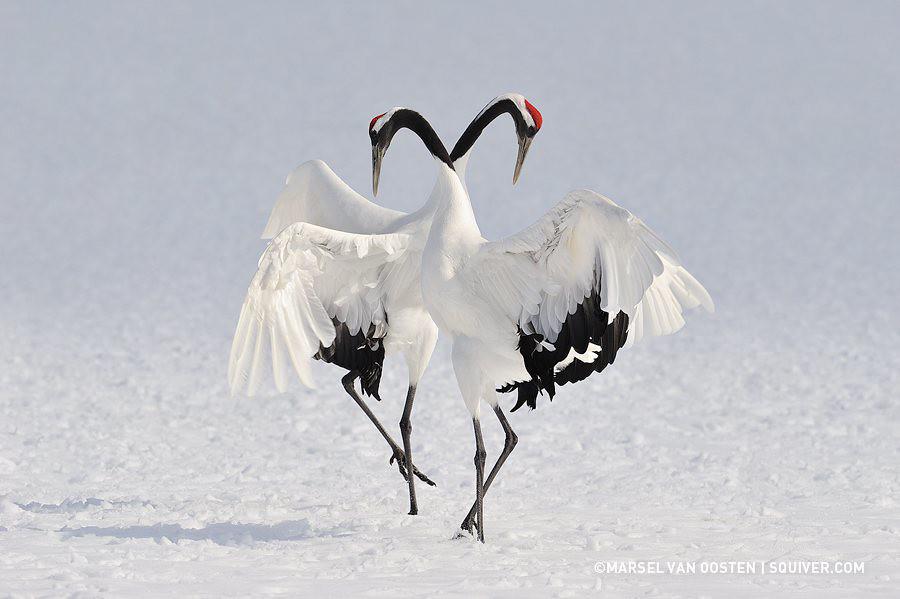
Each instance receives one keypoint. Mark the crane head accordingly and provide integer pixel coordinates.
(530, 129)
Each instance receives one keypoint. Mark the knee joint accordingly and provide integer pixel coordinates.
(480, 457)
(405, 425)
(348, 380)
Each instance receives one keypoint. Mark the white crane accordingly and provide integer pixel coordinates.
(340, 280)
(549, 305)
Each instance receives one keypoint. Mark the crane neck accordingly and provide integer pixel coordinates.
(460, 164)
(453, 219)
(404, 118)
(479, 124)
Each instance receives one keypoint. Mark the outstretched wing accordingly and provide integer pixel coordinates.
(314, 288)
(314, 194)
(586, 279)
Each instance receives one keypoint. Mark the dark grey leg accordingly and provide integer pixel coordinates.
(397, 454)
(348, 381)
(480, 454)
(508, 445)
(406, 431)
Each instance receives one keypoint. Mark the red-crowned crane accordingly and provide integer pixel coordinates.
(548, 306)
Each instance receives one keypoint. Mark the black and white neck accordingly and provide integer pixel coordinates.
(526, 118)
(383, 127)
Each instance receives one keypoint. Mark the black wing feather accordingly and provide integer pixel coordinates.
(362, 353)
(587, 324)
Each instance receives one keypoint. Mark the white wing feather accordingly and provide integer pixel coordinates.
(661, 309)
(307, 276)
(541, 274)
(314, 194)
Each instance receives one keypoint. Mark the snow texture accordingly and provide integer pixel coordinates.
(142, 146)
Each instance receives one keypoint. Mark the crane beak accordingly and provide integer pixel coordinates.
(377, 155)
(524, 144)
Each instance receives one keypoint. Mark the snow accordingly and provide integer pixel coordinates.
(142, 147)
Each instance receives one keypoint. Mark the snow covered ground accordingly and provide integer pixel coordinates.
(142, 145)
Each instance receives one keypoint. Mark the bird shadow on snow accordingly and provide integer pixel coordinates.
(75, 505)
(221, 533)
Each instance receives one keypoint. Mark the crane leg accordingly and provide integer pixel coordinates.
(480, 454)
(406, 432)
(397, 453)
(468, 523)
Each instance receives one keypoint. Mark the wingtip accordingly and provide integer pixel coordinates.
(706, 300)
(699, 292)
(234, 388)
